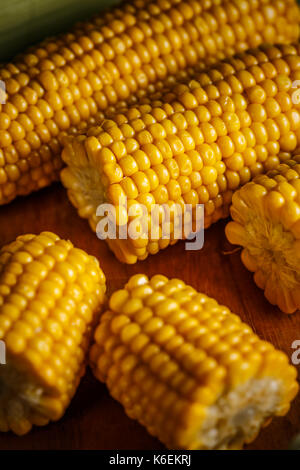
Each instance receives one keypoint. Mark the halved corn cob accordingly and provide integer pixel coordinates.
(195, 145)
(266, 214)
(187, 368)
(60, 84)
(49, 295)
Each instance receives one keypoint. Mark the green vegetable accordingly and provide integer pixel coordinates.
(25, 22)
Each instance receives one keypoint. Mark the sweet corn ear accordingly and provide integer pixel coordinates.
(67, 82)
(187, 368)
(50, 293)
(266, 223)
(194, 144)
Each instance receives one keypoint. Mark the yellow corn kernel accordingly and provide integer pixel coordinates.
(61, 86)
(187, 368)
(50, 295)
(182, 155)
(266, 223)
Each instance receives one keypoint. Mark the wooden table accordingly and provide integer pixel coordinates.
(94, 420)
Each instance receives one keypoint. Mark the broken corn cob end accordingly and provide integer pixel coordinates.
(266, 223)
(187, 368)
(50, 293)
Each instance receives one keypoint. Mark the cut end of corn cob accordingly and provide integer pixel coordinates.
(187, 368)
(195, 143)
(266, 223)
(68, 82)
(50, 294)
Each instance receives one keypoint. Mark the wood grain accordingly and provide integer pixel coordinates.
(94, 420)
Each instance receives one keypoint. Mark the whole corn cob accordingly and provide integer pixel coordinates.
(62, 83)
(266, 214)
(49, 295)
(195, 145)
(187, 368)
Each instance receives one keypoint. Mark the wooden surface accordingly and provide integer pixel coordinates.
(94, 420)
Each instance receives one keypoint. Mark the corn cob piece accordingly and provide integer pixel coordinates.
(195, 145)
(62, 83)
(266, 223)
(187, 368)
(49, 295)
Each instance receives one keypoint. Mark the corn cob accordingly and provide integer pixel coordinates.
(49, 294)
(62, 83)
(266, 214)
(195, 145)
(187, 368)
(295, 444)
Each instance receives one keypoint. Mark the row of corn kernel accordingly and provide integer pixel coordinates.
(57, 85)
(241, 31)
(196, 144)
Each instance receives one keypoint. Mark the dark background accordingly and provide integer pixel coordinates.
(25, 22)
